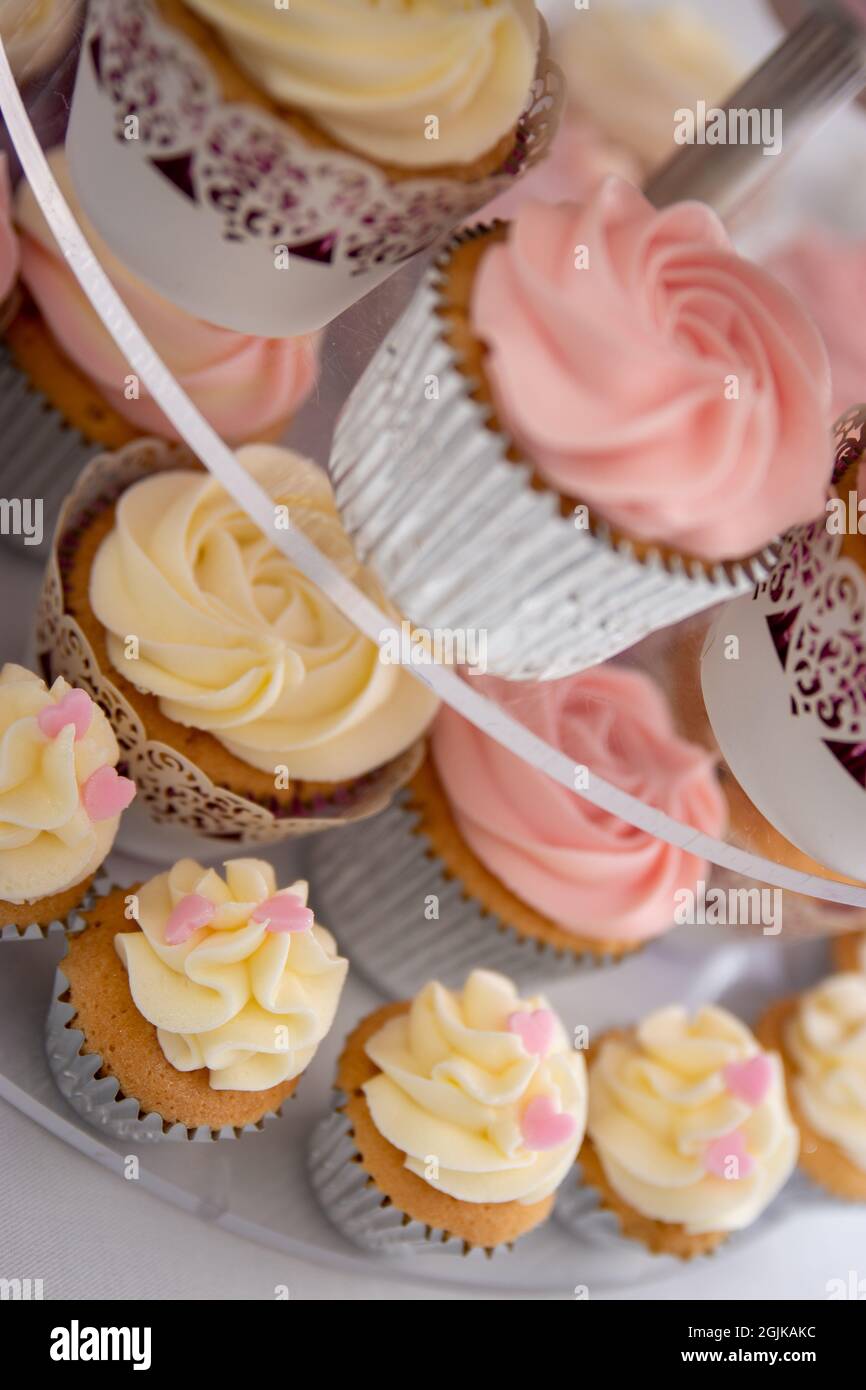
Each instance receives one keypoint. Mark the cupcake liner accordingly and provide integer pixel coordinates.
(175, 790)
(225, 182)
(370, 885)
(418, 479)
(74, 922)
(99, 1099)
(42, 454)
(356, 1206)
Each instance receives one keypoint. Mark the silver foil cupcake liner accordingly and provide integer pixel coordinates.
(371, 884)
(74, 921)
(42, 454)
(98, 1099)
(419, 479)
(355, 1205)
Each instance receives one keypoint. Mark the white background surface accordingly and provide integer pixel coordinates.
(88, 1234)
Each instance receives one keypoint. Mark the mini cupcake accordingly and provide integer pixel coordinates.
(60, 802)
(190, 1006)
(484, 858)
(688, 1137)
(67, 391)
(574, 365)
(351, 136)
(247, 705)
(821, 1036)
(459, 1113)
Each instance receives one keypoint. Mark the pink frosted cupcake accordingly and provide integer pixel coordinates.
(67, 392)
(486, 859)
(827, 273)
(640, 411)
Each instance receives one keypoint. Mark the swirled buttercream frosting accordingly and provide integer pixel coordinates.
(234, 973)
(234, 640)
(480, 1090)
(585, 869)
(690, 1121)
(60, 796)
(651, 373)
(826, 1041)
(411, 82)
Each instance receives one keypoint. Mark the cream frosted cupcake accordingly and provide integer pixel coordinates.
(627, 72)
(351, 134)
(486, 859)
(821, 1036)
(66, 391)
(689, 1137)
(247, 704)
(60, 801)
(190, 1006)
(459, 1114)
(639, 409)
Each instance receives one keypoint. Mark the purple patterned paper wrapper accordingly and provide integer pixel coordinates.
(222, 184)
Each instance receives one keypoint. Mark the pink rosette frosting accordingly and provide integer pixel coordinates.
(649, 371)
(827, 273)
(9, 256)
(244, 385)
(585, 869)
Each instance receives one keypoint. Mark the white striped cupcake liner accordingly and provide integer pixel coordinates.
(357, 1208)
(98, 1099)
(372, 884)
(419, 476)
(42, 455)
(73, 922)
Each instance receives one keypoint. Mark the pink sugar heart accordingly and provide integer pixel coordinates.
(535, 1028)
(545, 1127)
(749, 1081)
(75, 708)
(187, 917)
(284, 912)
(106, 793)
(727, 1157)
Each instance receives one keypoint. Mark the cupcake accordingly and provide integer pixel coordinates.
(799, 752)
(626, 73)
(827, 273)
(60, 801)
(574, 365)
(348, 136)
(821, 1036)
(247, 706)
(458, 1115)
(69, 393)
(485, 858)
(688, 1136)
(190, 1006)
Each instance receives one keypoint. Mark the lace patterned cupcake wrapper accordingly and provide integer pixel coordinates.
(42, 456)
(372, 884)
(355, 1205)
(173, 789)
(419, 479)
(99, 1099)
(226, 183)
(74, 921)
